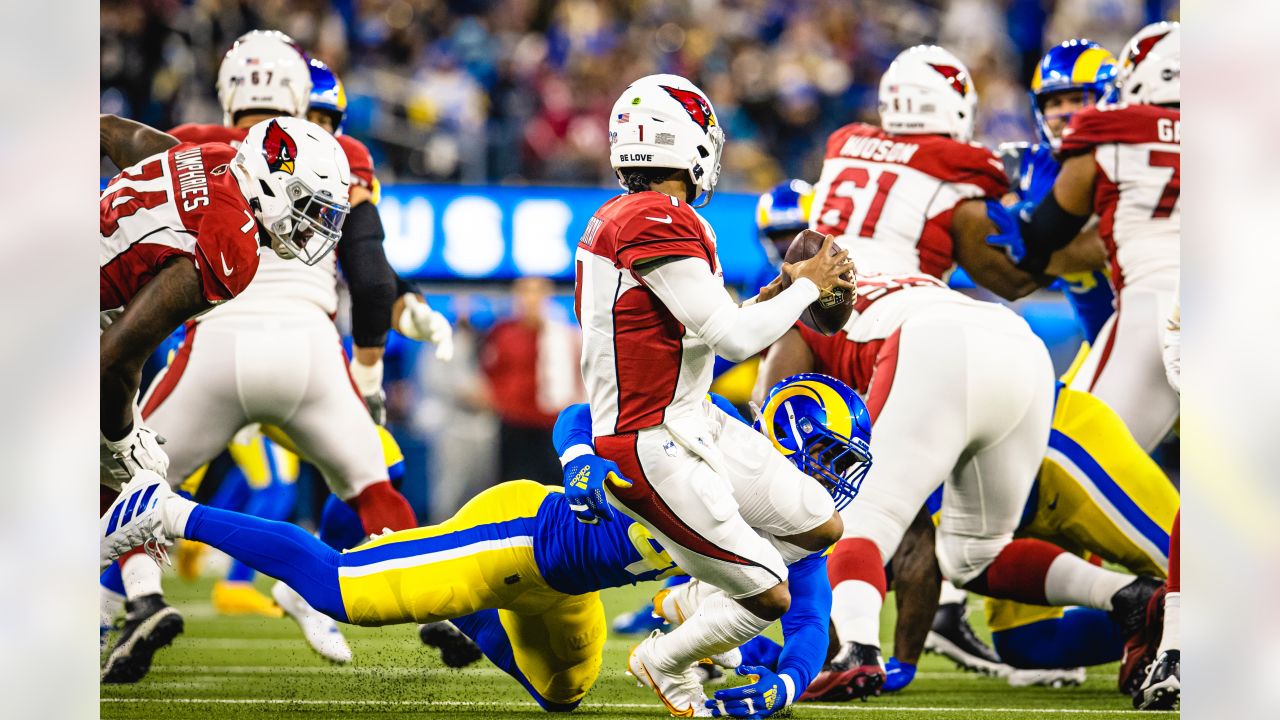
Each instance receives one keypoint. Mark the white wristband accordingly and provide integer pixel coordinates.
(791, 688)
(574, 452)
(368, 378)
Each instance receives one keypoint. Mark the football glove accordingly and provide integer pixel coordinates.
(898, 674)
(766, 694)
(419, 322)
(368, 380)
(138, 450)
(1008, 235)
(584, 478)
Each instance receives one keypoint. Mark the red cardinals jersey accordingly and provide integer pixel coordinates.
(1138, 152)
(888, 198)
(181, 202)
(358, 156)
(640, 366)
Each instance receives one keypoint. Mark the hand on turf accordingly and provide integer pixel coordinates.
(138, 450)
(898, 674)
(1008, 236)
(765, 695)
(584, 478)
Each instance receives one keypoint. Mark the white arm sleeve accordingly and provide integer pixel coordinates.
(700, 303)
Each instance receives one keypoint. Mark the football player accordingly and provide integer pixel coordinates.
(518, 574)
(651, 300)
(181, 230)
(1122, 162)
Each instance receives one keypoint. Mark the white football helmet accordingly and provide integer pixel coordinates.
(296, 178)
(264, 70)
(927, 90)
(666, 121)
(1151, 66)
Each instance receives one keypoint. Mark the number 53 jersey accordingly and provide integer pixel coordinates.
(888, 199)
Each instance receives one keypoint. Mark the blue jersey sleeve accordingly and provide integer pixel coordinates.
(804, 626)
(573, 427)
(723, 403)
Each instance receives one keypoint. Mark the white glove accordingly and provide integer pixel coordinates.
(419, 322)
(139, 450)
(368, 380)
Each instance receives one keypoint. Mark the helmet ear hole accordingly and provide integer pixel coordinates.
(703, 152)
(266, 189)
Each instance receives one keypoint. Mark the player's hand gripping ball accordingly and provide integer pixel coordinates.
(834, 278)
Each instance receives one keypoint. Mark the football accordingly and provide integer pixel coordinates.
(832, 309)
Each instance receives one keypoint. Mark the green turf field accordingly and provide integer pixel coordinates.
(261, 668)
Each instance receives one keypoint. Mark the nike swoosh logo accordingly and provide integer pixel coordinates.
(666, 219)
(225, 270)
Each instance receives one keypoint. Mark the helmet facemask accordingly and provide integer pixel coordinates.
(838, 463)
(313, 225)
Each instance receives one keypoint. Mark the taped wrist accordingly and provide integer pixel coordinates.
(1049, 229)
(370, 278)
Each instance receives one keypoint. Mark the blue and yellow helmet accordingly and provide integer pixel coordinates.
(821, 426)
(1078, 64)
(785, 208)
(327, 93)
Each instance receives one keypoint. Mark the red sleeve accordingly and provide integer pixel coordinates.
(962, 163)
(653, 227)
(825, 349)
(227, 243)
(1122, 124)
(359, 159)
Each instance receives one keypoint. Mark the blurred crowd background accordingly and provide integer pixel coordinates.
(517, 92)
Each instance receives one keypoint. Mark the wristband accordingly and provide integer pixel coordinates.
(791, 688)
(574, 452)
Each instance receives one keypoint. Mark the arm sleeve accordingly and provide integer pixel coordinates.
(723, 403)
(404, 287)
(804, 626)
(692, 294)
(572, 433)
(369, 276)
(1049, 229)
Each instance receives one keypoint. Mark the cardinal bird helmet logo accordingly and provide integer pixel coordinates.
(1142, 49)
(697, 106)
(958, 78)
(279, 149)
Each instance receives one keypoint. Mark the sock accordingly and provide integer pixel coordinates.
(141, 574)
(855, 611)
(1019, 572)
(381, 507)
(1073, 581)
(283, 551)
(1172, 614)
(719, 625)
(1175, 555)
(111, 579)
(857, 559)
(681, 602)
(174, 515)
(1080, 638)
(340, 526)
(951, 594)
(486, 630)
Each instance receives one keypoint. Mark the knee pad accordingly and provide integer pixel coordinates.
(963, 558)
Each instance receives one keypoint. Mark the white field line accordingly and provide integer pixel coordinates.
(608, 706)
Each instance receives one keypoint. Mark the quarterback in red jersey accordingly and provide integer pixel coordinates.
(654, 312)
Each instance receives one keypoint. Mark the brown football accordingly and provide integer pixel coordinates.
(833, 309)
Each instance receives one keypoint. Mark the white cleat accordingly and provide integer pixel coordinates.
(320, 630)
(1047, 677)
(682, 694)
(134, 519)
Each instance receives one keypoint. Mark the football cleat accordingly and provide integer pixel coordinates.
(149, 625)
(320, 630)
(456, 649)
(1046, 677)
(1161, 687)
(242, 598)
(856, 671)
(189, 559)
(681, 693)
(134, 519)
(1138, 610)
(641, 622)
(953, 638)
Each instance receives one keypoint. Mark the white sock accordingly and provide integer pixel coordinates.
(141, 576)
(719, 625)
(1172, 612)
(683, 601)
(110, 603)
(855, 611)
(951, 594)
(1073, 581)
(174, 513)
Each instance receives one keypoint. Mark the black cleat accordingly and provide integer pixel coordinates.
(456, 649)
(1161, 687)
(855, 672)
(953, 638)
(1129, 604)
(149, 624)
(1138, 610)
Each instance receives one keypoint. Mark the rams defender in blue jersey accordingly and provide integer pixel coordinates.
(514, 569)
(1070, 77)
